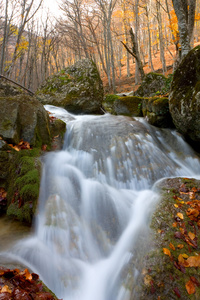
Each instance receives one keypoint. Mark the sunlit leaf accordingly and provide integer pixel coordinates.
(194, 261)
(172, 246)
(166, 251)
(176, 205)
(180, 215)
(190, 287)
(191, 235)
(180, 246)
(6, 289)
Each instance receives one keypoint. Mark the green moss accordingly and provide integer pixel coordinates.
(23, 186)
(6, 124)
(23, 214)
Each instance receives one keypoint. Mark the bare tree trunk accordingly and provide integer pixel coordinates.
(161, 39)
(185, 18)
(4, 39)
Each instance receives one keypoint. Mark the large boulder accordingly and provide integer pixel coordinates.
(184, 99)
(23, 117)
(26, 130)
(156, 111)
(153, 83)
(123, 105)
(78, 89)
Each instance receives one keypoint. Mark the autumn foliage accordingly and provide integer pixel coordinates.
(22, 285)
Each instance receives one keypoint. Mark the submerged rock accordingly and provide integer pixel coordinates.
(184, 99)
(78, 89)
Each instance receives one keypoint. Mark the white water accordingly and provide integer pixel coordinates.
(95, 201)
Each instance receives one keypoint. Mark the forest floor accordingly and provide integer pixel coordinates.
(127, 84)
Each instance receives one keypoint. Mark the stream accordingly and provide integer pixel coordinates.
(96, 199)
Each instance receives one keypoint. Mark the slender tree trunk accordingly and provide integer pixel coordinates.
(161, 39)
(4, 39)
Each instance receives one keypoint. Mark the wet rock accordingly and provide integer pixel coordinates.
(78, 89)
(184, 99)
(156, 111)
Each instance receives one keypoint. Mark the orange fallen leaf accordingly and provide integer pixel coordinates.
(180, 215)
(194, 261)
(6, 289)
(180, 246)
(182, 261)
(26, 274)
(191, 235)
(190, 287)
(176, 205)
(174, 224)
(172, 246)
(166, 251)
(192, 195)
(192, 212)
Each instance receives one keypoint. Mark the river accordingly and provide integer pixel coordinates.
(96, 196)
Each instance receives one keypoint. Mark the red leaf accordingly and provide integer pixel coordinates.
(177, 292)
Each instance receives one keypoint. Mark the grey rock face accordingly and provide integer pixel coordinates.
(78, 89)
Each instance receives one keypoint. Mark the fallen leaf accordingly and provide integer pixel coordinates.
(182, 261)
(166, 251)
(191, 235)
(190, 287)
(192, 195)
(26, 274)
(6, 289)
(180, 246)
(177, 292)
(180, 215)
(176, 205)
(172, 246)
(147, 280)
(174, 224)
(194, 261)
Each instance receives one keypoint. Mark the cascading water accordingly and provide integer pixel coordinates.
(95, 198)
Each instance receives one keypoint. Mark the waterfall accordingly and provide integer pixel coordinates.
(96, 199)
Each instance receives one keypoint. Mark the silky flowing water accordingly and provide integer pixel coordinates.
(96, 200)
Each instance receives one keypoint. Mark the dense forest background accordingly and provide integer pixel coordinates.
(123, 37)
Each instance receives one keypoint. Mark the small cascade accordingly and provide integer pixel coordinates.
(96, 198)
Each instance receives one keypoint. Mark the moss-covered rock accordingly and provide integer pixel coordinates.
(153, 83)
(24, 117)
(156, 110)
(175, 237)
(184, 99)
(126, 105)
(23, 185)
(78, 88)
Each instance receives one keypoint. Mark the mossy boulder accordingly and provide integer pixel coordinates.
(126, 105)
(78, 89)
(175, 237)
(23, 117)
(153, 83)
(156, 111)
(184, 99)
(23, 184)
